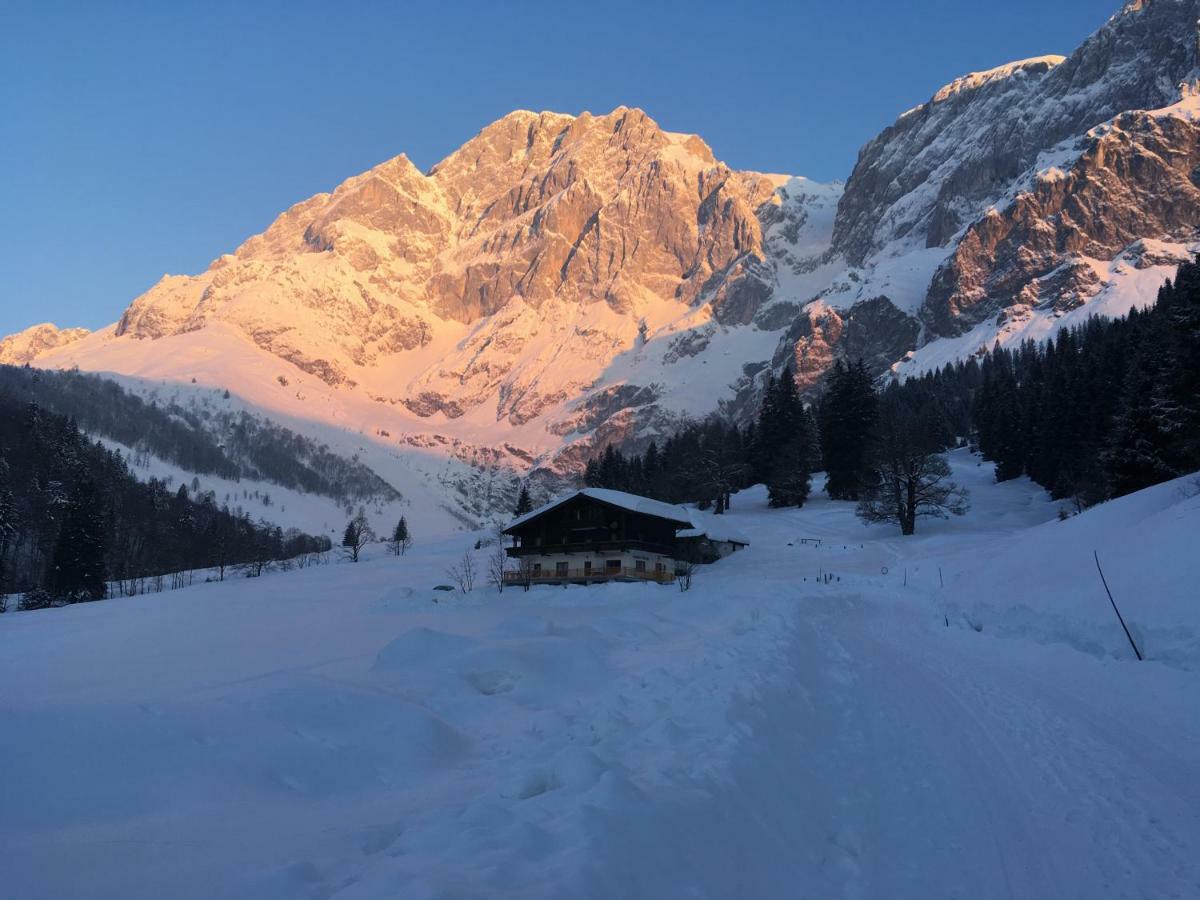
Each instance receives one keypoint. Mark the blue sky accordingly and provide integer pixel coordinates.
(143, 138)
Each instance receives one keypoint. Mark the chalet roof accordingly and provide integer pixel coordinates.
(697, 523)
(631, 502)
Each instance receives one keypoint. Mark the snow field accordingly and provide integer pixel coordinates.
(335, 732)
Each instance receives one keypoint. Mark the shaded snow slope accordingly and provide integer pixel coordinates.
(800, 723)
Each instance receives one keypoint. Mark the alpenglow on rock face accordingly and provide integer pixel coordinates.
(541, 224)
(26, 346)
(562, 281)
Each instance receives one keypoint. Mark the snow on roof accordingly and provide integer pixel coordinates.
(631, 502)
(715, 528)
(701, 524)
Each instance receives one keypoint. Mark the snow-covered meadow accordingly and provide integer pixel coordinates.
(955, 714)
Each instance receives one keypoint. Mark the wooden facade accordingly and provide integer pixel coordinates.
(586, 538)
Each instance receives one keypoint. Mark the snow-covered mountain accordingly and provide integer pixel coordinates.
(1038, 192)
(557, 281)
(563, 281)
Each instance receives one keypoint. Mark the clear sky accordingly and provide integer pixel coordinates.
(143, 138)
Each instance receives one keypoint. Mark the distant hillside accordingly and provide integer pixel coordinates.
(73, 519)
(229, 444)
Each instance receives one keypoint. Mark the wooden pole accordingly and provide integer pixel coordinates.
(1120, 619)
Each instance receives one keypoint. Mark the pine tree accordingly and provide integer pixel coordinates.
(401, 539)
(846, 417)
(524, 503)
(77, 570)
(357, 535)
(8, 521)
(788, 428)
(790, 479)
(1139, 451)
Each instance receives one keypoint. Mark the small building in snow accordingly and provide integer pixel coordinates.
(597, 534)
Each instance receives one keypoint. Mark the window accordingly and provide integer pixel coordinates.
(537, 568)
(612, 565)
(639, 565)
(560, 568)
(660, 568)
(587, 567)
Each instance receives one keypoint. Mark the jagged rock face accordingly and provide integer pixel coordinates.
(535, 218)
(1139, 177)
(874, 331)
(560, 281)
(943, 163)
(25, 346)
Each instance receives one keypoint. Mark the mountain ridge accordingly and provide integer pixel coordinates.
(562, 281)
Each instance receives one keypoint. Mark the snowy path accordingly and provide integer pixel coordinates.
(908, 760)
(982, 777)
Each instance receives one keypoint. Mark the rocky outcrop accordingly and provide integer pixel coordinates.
(874, 331)
(943, 163)
(1139, 177)
(25, 346)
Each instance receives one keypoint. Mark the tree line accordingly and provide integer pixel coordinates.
(76, 524)
(228, 443)
(1106, 408)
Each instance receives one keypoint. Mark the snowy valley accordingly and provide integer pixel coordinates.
(562, 282)
(583, 517)
(955, 714)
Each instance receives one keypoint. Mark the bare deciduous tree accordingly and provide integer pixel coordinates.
(685, 569)
(912, 477)
(525, 572)
(463, 573)
(498, 565)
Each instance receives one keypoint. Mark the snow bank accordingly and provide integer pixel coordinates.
(1043, 583)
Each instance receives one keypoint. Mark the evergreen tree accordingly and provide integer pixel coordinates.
(77, 570)
(788, 428)
(357, 535)
(8, 522)
(401, 539)
(524, 503)
(790, 479)
(1140, 452)
(846, 417)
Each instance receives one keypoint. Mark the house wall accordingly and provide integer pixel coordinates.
(575, 561)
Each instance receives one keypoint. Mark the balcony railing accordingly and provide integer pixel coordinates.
(591, 547)
(585, 575)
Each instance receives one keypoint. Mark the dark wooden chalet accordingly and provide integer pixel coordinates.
(600, 535)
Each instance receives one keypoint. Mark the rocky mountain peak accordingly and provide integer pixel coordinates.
(538, 222)
(944, 163)
(25, 346)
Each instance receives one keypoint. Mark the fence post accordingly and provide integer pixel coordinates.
(1120, 619)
